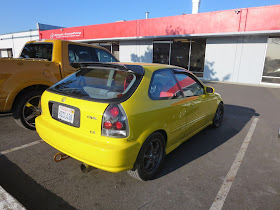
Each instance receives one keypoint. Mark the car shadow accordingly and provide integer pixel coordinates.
(235, 118)
(26, 190)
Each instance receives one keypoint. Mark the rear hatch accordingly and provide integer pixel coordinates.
(80, 100)
(75, 114)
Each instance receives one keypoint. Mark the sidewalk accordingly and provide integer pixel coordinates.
(8, 202)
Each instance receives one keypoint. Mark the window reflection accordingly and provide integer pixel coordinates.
(271, 71)
(164, 86)
(198, 57)
(189, 86)
(161, 52)
(178, 51)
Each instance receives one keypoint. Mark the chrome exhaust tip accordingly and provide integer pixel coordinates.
(86, 168)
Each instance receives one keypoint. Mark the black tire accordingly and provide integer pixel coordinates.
(150, 158)
(27, 108)
(219, 115)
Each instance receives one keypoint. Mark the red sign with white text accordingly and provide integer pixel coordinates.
(62, 35)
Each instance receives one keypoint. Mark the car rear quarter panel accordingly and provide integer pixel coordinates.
(17, 74)
(146, 116)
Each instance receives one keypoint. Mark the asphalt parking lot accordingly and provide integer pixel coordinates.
(193, 175)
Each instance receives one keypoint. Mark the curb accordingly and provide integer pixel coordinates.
(9, 202)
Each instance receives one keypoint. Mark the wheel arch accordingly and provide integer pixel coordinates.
(162, 132)
(27, 89)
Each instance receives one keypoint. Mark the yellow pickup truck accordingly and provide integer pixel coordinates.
(41, 64)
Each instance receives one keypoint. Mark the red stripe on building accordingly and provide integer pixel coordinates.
(243, 20)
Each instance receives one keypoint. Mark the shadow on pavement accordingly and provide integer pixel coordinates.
(27, 191)
(235, 118)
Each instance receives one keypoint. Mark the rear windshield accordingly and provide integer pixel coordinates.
(43, 51)
(99, 84)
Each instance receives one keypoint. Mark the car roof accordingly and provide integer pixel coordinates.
(151, 66)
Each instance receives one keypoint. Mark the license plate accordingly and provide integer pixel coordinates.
(66, 114)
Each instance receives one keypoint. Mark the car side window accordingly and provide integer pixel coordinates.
(163, 85)
(104, 56)
(79, 53)
(188, 84)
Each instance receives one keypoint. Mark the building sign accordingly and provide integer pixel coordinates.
(75, 34)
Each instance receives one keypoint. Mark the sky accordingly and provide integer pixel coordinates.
(23, 15)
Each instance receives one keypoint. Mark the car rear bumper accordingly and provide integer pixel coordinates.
(114, 155)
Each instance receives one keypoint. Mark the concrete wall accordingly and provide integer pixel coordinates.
(16, 41)
(136, 51)
(235, 59)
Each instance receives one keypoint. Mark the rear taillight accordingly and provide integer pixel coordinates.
(114, 122)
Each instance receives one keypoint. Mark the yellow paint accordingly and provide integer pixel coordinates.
(185, 100)
(17, 74)
(174, 117)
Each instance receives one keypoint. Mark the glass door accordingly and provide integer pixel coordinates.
(161, 52)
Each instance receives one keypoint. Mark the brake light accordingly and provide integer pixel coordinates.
(114, 122)
(114, 111)
(118, 125)
(108, 125)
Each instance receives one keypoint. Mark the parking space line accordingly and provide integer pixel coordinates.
(20, 147)
(225, 188)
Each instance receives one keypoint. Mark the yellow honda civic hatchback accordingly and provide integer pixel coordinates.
(124, 116)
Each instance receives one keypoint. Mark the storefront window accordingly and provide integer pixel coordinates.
(116, 50)
(197, 57)
(181, 52)
(6, 53)
(161, 52)
(271, 71)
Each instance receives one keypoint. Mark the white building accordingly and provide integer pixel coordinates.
(241, 45)
(11, 44)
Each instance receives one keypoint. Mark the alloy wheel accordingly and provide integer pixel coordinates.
(31, 110)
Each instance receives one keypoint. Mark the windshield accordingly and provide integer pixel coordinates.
(43, 51)
(99, 83)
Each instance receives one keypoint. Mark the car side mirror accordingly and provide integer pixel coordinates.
(209, 90)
